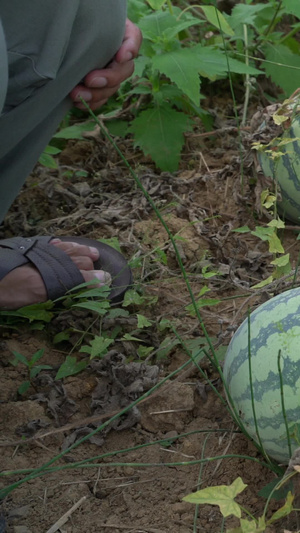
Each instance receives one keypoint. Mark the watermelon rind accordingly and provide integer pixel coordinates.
(274, 327)
(286, 172)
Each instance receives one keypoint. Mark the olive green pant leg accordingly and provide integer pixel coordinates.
(73, 38)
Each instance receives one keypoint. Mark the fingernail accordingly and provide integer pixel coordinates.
(86, 95)
(55, 241)
(94, 251)
(128, 56)
(98, 82)
(103, 277)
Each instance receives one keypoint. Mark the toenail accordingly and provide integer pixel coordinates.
(102, 276)
(94, 251)
(85, 95)
(98, 82)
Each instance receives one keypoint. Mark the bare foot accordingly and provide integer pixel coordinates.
(24, 285)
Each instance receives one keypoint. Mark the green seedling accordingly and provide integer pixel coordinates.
(32, 368)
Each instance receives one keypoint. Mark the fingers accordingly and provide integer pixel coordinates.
(99, 85)
(131, 43)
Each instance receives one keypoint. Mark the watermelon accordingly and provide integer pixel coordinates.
(274, 326)
(286, 171)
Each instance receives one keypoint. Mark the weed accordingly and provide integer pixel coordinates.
(32, 368)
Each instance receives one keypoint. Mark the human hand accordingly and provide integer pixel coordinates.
(99, 85)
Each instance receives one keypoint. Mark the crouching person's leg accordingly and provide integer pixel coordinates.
(49, 46)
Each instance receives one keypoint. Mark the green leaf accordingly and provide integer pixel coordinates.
(215, 17)
(166, 347)
(24, 387)
(159, 132)
(242, 229)
(117, 312)
(132, 298)
(281, 67)
(75, 132)
(70, 367)
(245, 14)
(118, 128)
(276, 223)
(144, 351)
(179, 66)
(62, 336)
(292, 7)
(52, 150)
(249, 526)
(212, 62)
(156, 4)
(162, 25)
(98, 346)
(281, 261)
(285, 510)
(97, 307)
(279, 493)
(36, 312)
(263, 283)
(143, 322)
(37, 356)
(275, 246)
(19, 358)
(47, 161)
(128, 337)
(221, 495)
(37, 369)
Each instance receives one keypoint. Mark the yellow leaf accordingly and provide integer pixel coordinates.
(221, 495)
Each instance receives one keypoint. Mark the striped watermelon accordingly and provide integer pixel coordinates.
(286, 172)
(274, 326)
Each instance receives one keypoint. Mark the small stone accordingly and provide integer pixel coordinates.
(21, 529)
(19, 512)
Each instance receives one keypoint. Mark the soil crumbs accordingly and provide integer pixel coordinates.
(137, 490)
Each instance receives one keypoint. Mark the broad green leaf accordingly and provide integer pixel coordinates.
(52, 150)
(249, 526)
(263, 283)
(276, 223)
(118, 128)
(19, 358)
(159, 132)
(132, 297)
(37, 369)
(221, 495)
(285, 510)
(262, 233)
(284, 67)
(143, 322)
(144, 351)
(24, 387)
(275, 246)
(62, 336)
(212, 63)
(76, 131)
(292, 7)
(242, 229)
(245, 14)
(215, 17)
(202, 302)
(163, 25)
(98, 307)
(117, 312)
(128, 337)
(47, 161)
(179, 66)
(37, 356)
(36, 312)
(98, 346)
(70, 367)
(156, 4)
(281, 261)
